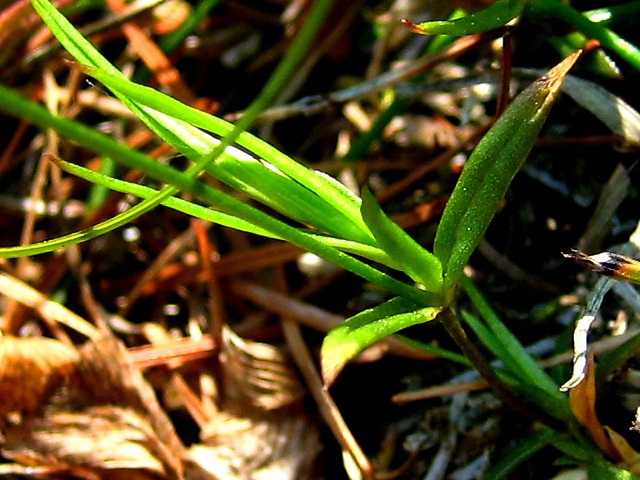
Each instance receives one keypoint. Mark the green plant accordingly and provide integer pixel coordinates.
(331, 221)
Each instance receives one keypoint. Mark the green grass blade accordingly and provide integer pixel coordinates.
(607, 38)
(178, 204)
(87, 234)
(331, 191)
(14, 104)
(511, 351)
(523, 450)
(220, 218)
(497, 15)
(421, 265)
(600, 469)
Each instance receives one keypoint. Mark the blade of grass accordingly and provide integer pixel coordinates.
(601, 469)
(331, 191)
(608, 39)
(220, 218)
(495, 16)
(178, 204)
(421, 265)
(512, 353)
(84, 52)
(15, 105)
(523, 450)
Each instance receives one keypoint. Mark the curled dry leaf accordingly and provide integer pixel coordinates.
(103, 417)
(99, 437)
(258, 375)
(29, 369)
(261, 433)
(282, 446)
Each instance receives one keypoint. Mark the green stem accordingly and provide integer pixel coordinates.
(608, 39)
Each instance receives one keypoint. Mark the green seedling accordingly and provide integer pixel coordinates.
(327, 219)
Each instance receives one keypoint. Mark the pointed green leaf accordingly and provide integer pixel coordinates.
(366, 328)
(421, 265)
(515, 454)
(600, 469)
(490, 169)
(495, 16)
(255, 177)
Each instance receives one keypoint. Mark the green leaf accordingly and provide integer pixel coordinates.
(421, 265)
(291, 199)
(88, 233)
(598, 61)
(308, 197)
(214, 216)
(542, 9)
(495, 16)
(490, 169)
(601, 469)
(521, 451)
(366, 328)
(178, 204)
(504, 344)
(333, 191)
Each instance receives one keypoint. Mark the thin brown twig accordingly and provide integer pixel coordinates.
(328, 409)
(318, 103)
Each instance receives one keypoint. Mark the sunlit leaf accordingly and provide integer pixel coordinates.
(490, 169)
(421, 265)
(495, 16)
(364, 329)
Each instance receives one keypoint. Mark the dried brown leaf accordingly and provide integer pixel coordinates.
(257, 374)
(99, 437)
(582, 400)
(280, 445)
(104, 416)
(29, 369)
(262, 432)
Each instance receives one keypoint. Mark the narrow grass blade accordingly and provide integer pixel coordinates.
(421, 265)
(601, 469)
(214, 216)
(94, 231)
(178, 204)
(497, 15)
(176, 126)
(195, 144)
(332, 192)
(523, 450)
(542, 9)
(509, 349)
(490, 169)
(364, 329)
(14, 104)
